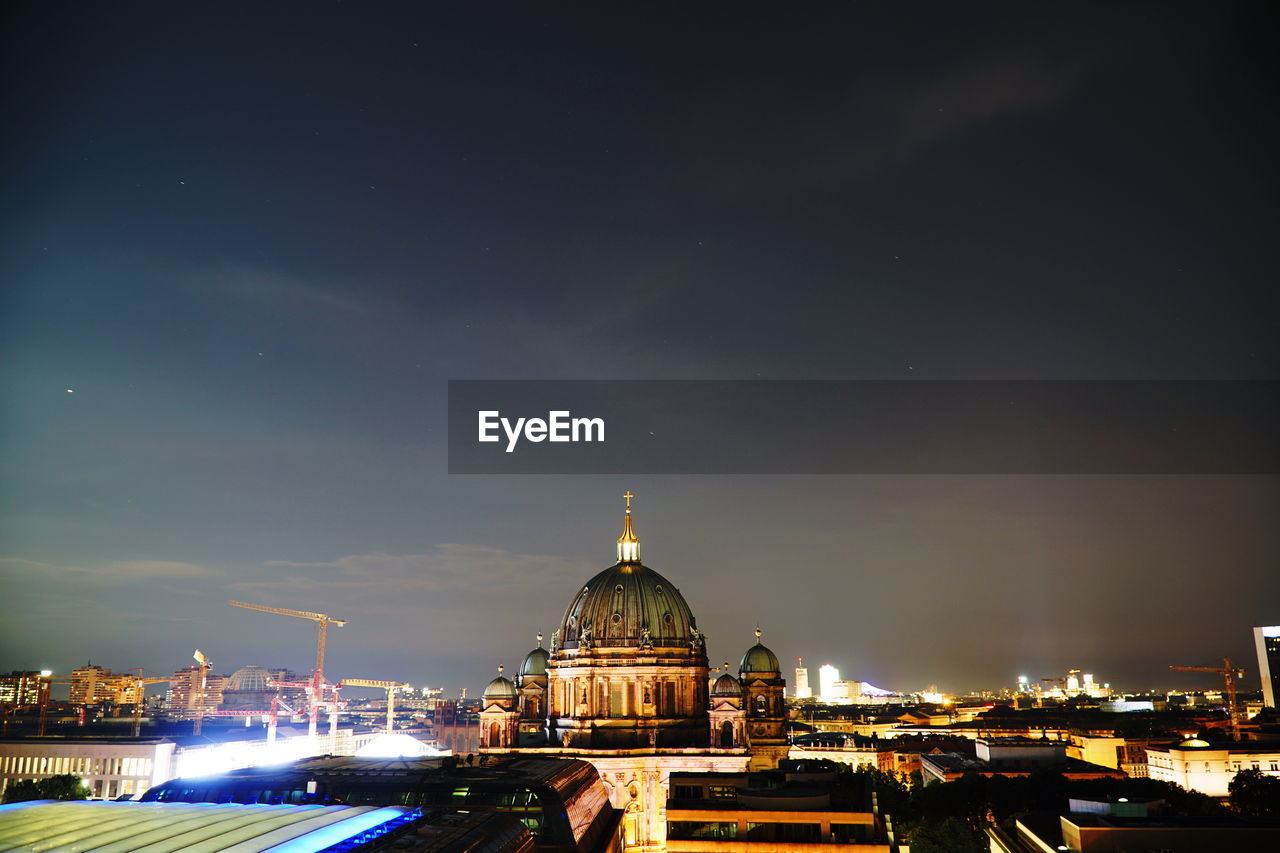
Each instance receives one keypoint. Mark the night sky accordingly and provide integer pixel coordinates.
(255, 240)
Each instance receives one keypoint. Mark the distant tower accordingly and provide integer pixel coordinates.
(828, 675)
(499, 713)
(763, 686)
(802, 680)
(1267, 641)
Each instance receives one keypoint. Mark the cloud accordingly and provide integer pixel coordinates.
(115, 572)
(449, 567)
(431, 598)
(140, 569)
(881, 124)
(273, 291)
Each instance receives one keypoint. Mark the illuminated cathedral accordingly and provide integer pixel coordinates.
(626, 686)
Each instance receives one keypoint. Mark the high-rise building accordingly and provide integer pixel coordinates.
(828, 675)
(1267, 640)
(20, 688)
(186, 693)
(95, 685)
(802, 680)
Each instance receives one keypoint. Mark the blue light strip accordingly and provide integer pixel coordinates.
(334, 834)
(25, 803)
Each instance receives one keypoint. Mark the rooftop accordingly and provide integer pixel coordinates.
(124, 827)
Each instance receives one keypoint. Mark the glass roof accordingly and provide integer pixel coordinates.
(125, 827)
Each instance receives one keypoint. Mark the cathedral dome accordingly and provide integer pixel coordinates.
(620, 604)
(535, 663)
(500, 688)
(726, 685)
(629, 605)
(759, 659)
(250, 678)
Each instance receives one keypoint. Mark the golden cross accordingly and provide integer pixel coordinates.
(628, 496)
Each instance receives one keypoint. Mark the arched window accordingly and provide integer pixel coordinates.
(726, 734)
(495, 732)
(762, 706)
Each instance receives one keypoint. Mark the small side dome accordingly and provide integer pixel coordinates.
(500, 688)
(1192, 742)
(535, 663)
(759, 659)
(726, 685)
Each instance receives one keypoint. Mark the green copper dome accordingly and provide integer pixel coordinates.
(500, 688)
(629, 605)
(759, 659)
(726, 685)
(535, 663)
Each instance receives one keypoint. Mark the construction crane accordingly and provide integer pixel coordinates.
(1229, 675)
(139, 695)
(323, 621)
(390, 686)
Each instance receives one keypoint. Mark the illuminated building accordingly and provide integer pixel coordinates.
(190, 689)
(1109, 831)
(20, 688)
(1209, 768)
(1267, 642)
(113, 767)
(562, 802)
(627, 688)
(828, 675)
(802, 680)
(95, 685)
(800, 806)
(857, 751)
(1011, 756)
(110, 768)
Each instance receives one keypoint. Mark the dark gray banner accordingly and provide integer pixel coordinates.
(863, 427)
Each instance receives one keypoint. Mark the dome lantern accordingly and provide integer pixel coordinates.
(628, 542)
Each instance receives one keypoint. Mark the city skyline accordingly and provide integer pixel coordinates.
(295, 643)
(243, 256)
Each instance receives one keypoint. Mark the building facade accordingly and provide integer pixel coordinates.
(626, 686)
(1209, 768)
(96, 685)
(191, 689)
(803, 691)
(21, 688)
(109, 768)
(792, 808)
(1267, 642)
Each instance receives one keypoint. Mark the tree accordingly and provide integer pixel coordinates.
(1254, 793)
(952, 835)
(66, 786)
